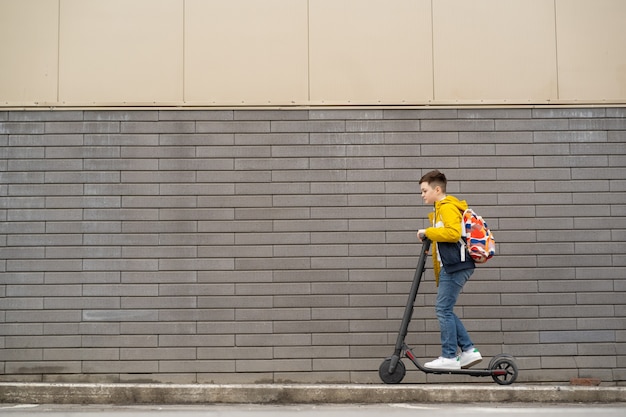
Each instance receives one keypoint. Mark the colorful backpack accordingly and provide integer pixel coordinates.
(476, 237)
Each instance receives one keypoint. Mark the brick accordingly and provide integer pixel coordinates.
(194, 115)
(598, 124)
(532, 125)
(116, 238)
(233, 152)
(158, 277)
(348, 138)
(120, 341)
(44, 115)
(121, 164)
(593, 173)
(196, 289)
(123, 214)
(120, 367)
(160, 201)
(569, 113)
(269, 238)
(272, 263)
(79, 177)
(43, 367)
(21, 329)
(274, 340)
(156, 177)
(158, 152)
(194, 164)
(22, 153)
(121, 189)
(308, 175)
(269, 314)
(45, 190)
(45, 165)
(16, 128)
(575, 311)
(311, 301)
(43, 265)
(205, 315)
(120, 264)
(16, 342)
(459, 125)
(194, 139)
(230, 127)
(332, 114)
(120, 115)
(574, 336)
(20, 355)
(43, 290)
(170, 353)
(570, 136)
(349, 313)
(316, 126)
(24, 303)
(195, 264)
(421, 114)
(193, 340)
(81, 127)
(159, 252)
(384, 126)
(132, 127)
(197, 189)
(104, 354)
(117, 139)
(165, 227)
(271, 139)
(291, 365)
(203, 366)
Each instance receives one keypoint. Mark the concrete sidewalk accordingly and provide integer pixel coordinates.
(68, 393)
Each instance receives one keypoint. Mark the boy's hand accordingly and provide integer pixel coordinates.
(421, 234)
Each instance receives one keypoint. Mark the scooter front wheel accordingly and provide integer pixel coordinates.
(391, 378)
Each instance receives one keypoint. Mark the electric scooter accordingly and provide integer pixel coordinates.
(502, 367)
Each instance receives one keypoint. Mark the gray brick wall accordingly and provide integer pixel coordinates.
(279, 245)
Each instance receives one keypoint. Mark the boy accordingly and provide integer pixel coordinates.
(451, 273)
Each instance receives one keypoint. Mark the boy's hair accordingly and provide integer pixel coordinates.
(435, 178)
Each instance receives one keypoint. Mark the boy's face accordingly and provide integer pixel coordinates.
(430, 194)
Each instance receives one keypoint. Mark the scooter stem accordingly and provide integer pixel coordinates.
(408, 311)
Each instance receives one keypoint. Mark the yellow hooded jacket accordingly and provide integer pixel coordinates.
(445, 233)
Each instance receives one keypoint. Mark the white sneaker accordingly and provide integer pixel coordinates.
(470, 358)
(444, 363)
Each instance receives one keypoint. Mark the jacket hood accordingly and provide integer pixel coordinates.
(461, 205)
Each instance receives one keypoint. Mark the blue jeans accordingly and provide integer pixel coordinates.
(453, 332)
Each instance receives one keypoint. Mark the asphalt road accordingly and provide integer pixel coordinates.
(388, 410)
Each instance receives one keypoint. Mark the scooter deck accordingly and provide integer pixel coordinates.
(470, 372)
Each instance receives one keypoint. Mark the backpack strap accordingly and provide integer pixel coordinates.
(463, 239)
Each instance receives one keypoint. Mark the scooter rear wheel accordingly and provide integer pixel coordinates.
(391, 378)
(504, 370)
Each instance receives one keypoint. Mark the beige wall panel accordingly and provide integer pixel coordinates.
(246, 52)
(370, 51)
(592, 49)
(494, 51)
(120, 51)
(29, 35)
